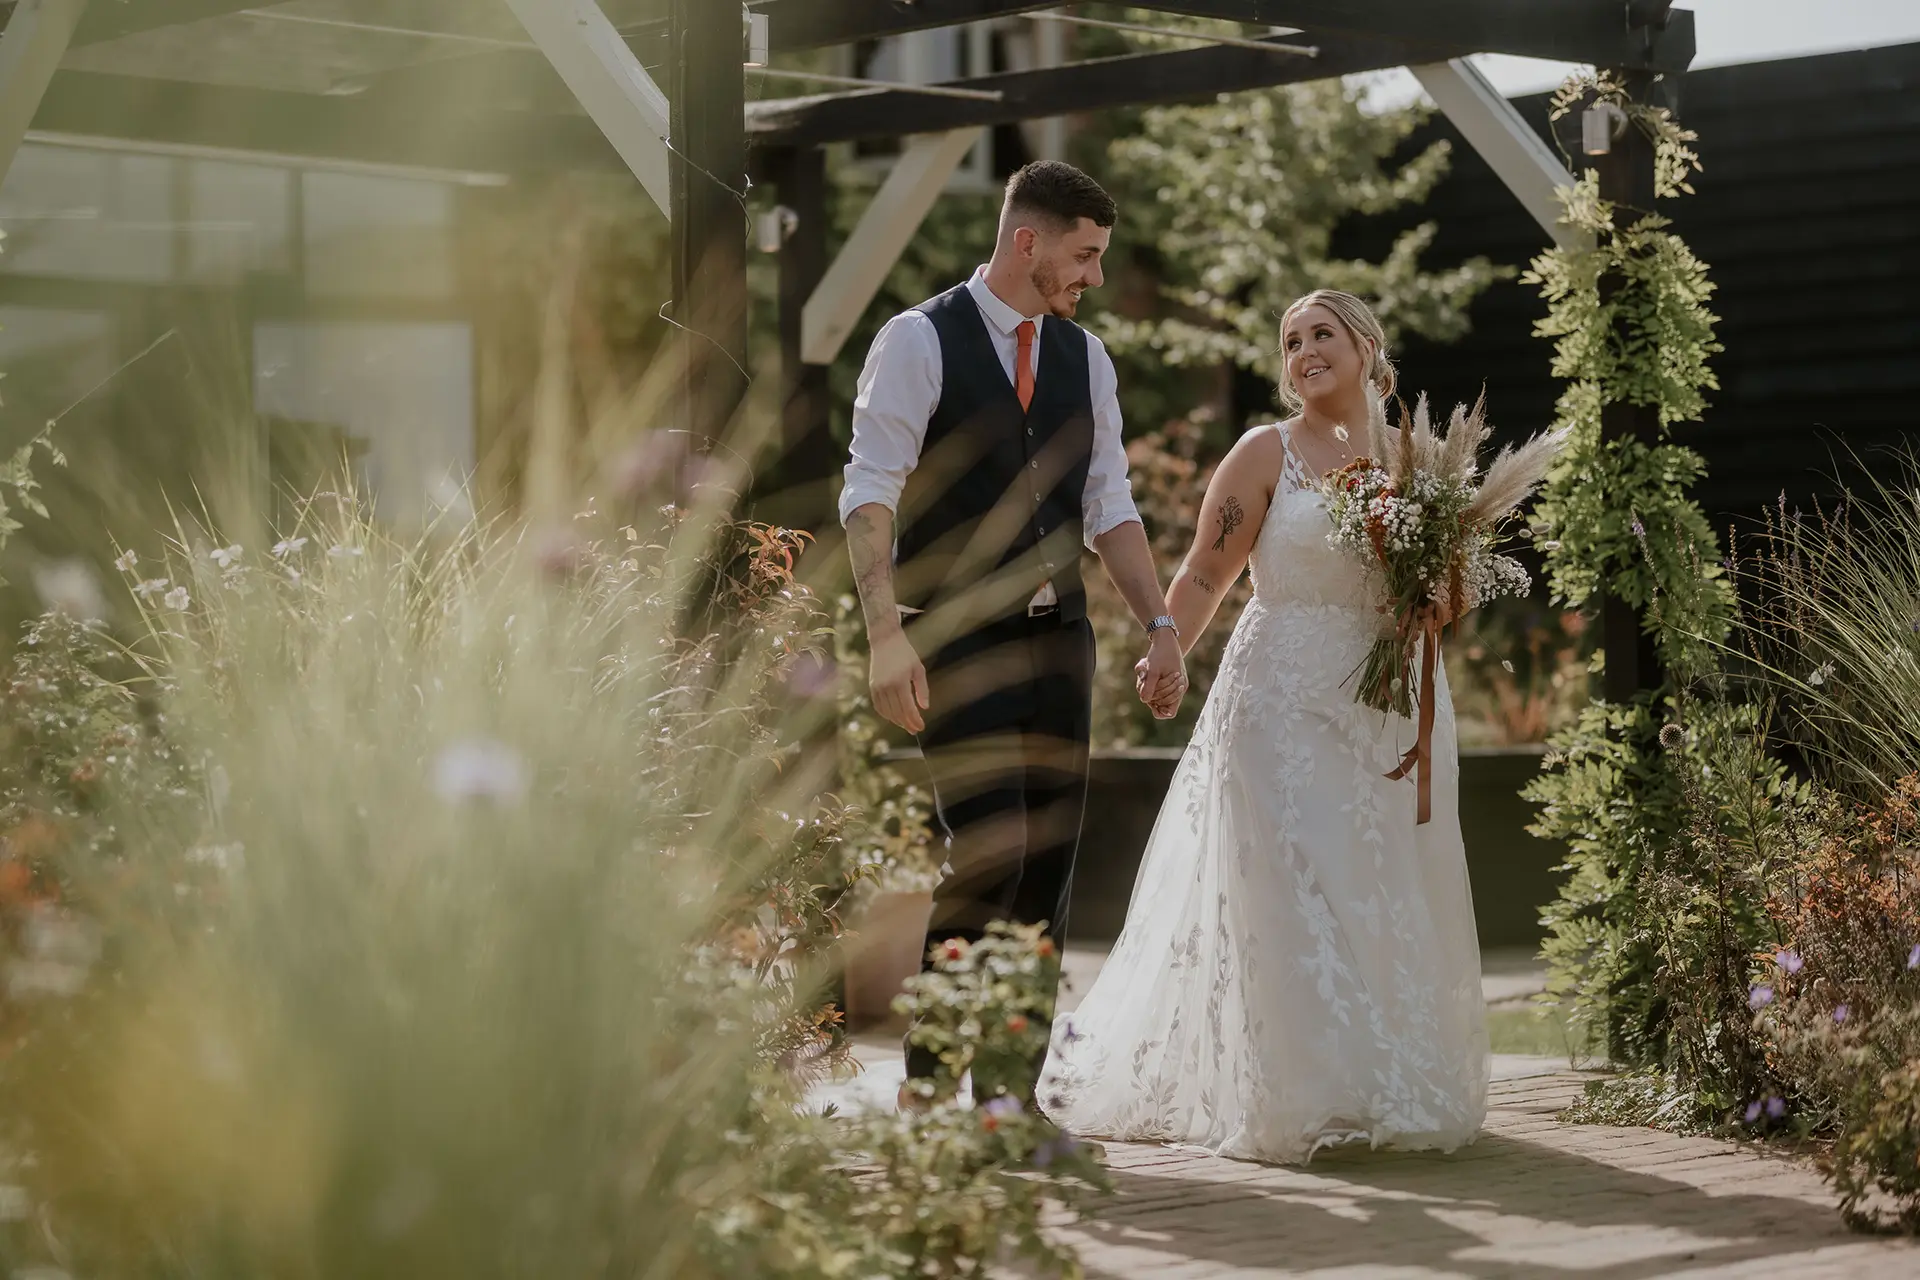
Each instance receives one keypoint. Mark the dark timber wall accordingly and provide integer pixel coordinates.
(1808, 216)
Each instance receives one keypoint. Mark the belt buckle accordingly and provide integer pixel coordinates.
(1042, 610)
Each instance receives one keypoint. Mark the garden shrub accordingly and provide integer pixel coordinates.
(482, 928)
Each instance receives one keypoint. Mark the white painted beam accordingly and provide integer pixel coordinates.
(1520, 157)
(609, 81)
(889, 222)
(31, 48)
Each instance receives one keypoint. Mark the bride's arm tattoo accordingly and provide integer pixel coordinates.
(1231, 517)
(1202, 583)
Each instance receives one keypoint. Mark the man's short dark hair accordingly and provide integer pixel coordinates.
(1060, 195)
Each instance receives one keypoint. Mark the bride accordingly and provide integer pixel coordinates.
(1299, 966)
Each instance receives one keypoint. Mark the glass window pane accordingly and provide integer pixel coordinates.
(240, 218)
(85, 214)
(398, 396)
(375, 236)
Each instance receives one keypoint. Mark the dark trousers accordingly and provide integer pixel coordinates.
(1006, 748)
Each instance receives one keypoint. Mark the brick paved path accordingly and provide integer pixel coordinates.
(1532, 1198)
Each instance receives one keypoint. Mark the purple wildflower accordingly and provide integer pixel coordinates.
(1004, 1107)
(1753, 1111)
(1913, 957)
(1760, 997)
(1639, 530)
(1788, 960)
(1055, 1148)
(1840, 1013)
(1776, 1108)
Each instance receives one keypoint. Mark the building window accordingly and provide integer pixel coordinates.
(397, 397)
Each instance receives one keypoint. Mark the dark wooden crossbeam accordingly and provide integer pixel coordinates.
(461, 137)
(110, 19)
(812, 24)
(1132, 80)
(1604, 32)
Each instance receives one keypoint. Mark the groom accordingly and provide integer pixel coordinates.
(986, 450)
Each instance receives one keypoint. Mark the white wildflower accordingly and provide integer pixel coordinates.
(479, 769)
(287, 547)
(177, 599)
(127, 562)
(221, 857)
(151, 586)
(226, 557)
(57, 953)
(341, 551)
(1820, 673)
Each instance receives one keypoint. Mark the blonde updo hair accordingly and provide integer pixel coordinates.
(1361, 324)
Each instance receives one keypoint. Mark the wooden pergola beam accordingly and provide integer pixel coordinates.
(36, 38)
(111, 19)
(608, 81)
(1131, 80)
(356, 130)
(1602, 32)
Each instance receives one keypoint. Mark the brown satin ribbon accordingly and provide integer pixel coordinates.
(1419, 758)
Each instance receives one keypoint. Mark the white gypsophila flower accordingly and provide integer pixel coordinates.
(58, 951)
(151, 586)
(127, 562)
(225, 557)
(342, 551)
(287, 547)
(69, 587)
(221, 857)
(479, 769)
(177, 599)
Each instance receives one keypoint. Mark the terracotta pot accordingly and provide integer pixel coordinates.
(882, 952)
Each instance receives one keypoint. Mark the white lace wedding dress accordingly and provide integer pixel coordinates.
(1299, 965)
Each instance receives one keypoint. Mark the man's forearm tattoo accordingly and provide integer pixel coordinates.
(872, 567)
(1202, 583)
(1231, 518)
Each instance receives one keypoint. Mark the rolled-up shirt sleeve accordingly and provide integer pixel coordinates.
(898, 390)
(1108, 503)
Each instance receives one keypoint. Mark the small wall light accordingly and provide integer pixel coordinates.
(1600, 124)
(758, 45)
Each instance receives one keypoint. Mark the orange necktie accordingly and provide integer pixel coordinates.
(1023, 365)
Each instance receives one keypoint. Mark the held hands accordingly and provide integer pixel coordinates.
(1161, 676)
(898, 682)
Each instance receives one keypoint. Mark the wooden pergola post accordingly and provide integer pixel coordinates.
(798, 489)
(708, 178)
(1626, 174)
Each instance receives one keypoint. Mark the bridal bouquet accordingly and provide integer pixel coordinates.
(1429, 522)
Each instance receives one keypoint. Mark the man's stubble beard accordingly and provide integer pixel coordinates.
(1046, 283)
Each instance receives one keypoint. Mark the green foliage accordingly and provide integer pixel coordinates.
(1834, 630)
(986, 1007)
(1619, 512)
(1232, 205)
(1648, 828)
(16, 478)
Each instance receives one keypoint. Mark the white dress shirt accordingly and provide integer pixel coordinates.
(900, 388)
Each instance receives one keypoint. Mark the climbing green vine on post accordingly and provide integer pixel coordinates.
(1630, 323)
